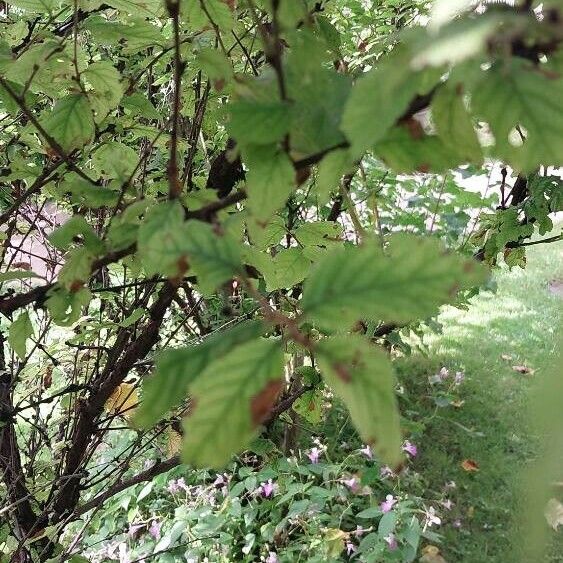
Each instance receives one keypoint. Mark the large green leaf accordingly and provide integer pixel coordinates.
(270, 180)
(516, 93)
(177, 369)
(283, 270)
(362, 283)
(231, 398)
(107, 89)
(362, 376)
(18, 333)
(70, 122)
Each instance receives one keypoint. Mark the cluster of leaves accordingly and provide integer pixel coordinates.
(216, 188)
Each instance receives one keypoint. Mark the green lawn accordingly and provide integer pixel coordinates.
(521, 319)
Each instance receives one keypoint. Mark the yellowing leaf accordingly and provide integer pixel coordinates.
(469, 465)
(123, 400)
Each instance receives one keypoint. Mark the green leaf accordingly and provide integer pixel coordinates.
(162, 242)
(70, 122)
(407, 149)
(76, 269)
(177, 369)
(218, 12)
(116, 160)
(319, 233)
(215, 64)
(16, 275)
(513, 93)
(105, 81)
(283, 270)
(75, 230)
(18, 333)
(453, 123)
(270, 180)
(309, 406)
(378, 99)
(66, 306)
(362, 283)
(231, 398)
(138, 104)
(331, 169)
(37, 6)
(84, 193)
(257, 123)
(362, 376)
(213, 257)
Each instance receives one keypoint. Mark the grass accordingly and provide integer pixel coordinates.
(522, 319)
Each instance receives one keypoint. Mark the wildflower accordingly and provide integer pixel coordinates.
(459, 377)
(450, 485)
(447, 504)
(366, 450)
(352, 483)
(272, 557)
(388, 503)
(443, 373)
(350, 548)
(391, 542)
(313, 454)
(457, 523)
(386, 471)
(267, 489)
(133, 529)
(154, 529)
(431, 518)
(410, 448)
(359, 531)
(219, 480)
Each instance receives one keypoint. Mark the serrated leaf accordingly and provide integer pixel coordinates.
(331, 169)
(514, 93)
(319, 233)
(18, 333)
(177, 369)
(454, 125)
(213, 257)
(232, 398)
(75, 230)
(70, 122)
(105, 81)
(16, 275)
(362, 376)
(361, 283)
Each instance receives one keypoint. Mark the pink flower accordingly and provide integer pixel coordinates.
(444, 374)
(366, 450)
(133, 529)
(219, 480)
(457, 523)
(154, 529)
(272, 557)
(391, 542)
(350, 548)
(388, 503)
(447, 504)
(360, 531)
(267, 489)
(352, 483)
(459, 377)
(410, 448)
(313, 454)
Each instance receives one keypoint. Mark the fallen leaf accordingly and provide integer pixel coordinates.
(554, 513)
(469, 465)
(506, 357)
(123, 400)
(525, 370)
(458, 404)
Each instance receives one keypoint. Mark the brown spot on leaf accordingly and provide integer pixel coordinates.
(468, 266)
(182, 265)
(261, 404)
(302, 175)
(470, 465)
(459, 89)
(424, 168)
(343, 372)
(414, 128)
(76, 286)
